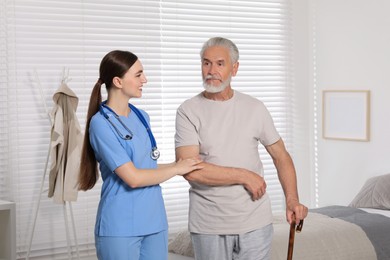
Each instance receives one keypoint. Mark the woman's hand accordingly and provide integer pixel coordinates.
(187, 165)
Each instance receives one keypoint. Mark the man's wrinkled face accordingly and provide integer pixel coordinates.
(217, 69)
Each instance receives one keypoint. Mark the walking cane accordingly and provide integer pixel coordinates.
(292, 236)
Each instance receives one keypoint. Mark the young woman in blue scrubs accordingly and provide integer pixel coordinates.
(131, 222)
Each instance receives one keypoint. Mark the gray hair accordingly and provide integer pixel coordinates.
(219, 41)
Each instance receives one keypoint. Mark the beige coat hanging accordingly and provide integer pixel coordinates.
(66, 142)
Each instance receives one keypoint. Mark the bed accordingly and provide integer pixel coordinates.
(360, 230)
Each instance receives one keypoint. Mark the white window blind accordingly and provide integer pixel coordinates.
(42, 39)
(4, 135)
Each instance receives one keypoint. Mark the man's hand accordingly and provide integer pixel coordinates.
(254, 184)
(293, 207)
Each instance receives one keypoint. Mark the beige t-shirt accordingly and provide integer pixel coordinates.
(228, 134)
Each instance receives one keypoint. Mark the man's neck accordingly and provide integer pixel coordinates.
(224, 95)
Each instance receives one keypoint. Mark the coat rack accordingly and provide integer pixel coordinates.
(65, 79)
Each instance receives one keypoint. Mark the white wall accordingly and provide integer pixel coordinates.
(301, 149)
(350, 51)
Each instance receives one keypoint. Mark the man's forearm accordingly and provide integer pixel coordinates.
(287, 177)
(285, 168)
(214, 175)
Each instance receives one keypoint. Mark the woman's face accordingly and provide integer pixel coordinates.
(132, 82)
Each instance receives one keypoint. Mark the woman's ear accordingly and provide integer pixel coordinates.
(117, 81)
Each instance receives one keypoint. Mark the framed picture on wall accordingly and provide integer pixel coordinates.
(346, 115)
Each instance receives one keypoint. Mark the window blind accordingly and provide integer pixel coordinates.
(44, 40)
(4, 191)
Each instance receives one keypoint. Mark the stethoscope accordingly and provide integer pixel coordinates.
(155, 153)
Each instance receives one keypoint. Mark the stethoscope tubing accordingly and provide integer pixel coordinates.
(155, 154)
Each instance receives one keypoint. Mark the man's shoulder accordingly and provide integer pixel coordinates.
(193, 100)
(247, 98)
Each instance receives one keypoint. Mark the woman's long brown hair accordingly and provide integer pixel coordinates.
(89, 174)
(114, 64)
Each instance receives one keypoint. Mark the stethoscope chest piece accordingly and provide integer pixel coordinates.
(155, 153)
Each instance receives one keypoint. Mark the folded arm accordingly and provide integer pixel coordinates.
(215, 175)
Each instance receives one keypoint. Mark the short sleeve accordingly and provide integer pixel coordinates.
(268, 133)
(186, 132)
(105, 143)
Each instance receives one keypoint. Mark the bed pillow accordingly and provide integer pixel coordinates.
(181, 244)
(375, 193)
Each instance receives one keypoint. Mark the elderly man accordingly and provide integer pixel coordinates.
(230, 213)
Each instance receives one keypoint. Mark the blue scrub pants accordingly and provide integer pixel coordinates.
(150, 247)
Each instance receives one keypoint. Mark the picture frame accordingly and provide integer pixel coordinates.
(346, 115)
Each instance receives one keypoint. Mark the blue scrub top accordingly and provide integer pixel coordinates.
(124, 211)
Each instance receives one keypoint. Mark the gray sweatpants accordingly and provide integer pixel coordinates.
(254, 245)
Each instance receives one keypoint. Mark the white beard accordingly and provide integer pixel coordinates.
(213, 89)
